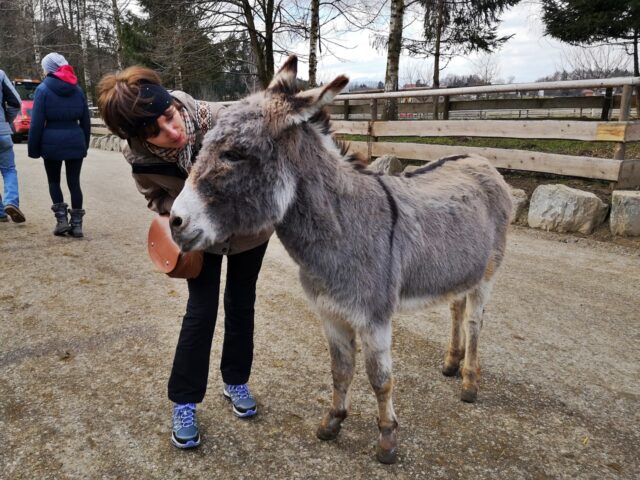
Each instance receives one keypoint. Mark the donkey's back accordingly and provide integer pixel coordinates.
(453, 216)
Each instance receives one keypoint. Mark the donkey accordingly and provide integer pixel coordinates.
(365, 243)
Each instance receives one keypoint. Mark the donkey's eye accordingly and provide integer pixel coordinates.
(231, 156)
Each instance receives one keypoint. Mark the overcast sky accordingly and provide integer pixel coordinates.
(529, 55)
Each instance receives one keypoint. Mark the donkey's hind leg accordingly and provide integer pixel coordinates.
(342, 347)
(455, 352)
(376, 345)
(472, 324)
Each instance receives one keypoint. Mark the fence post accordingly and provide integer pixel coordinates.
(625, 108)
(374, 109)
(370, 137)
(445, 107)
(346, 109)
(606, 104)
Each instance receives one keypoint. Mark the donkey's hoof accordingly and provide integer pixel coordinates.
(328, 433)
(450, 370)
(469, 395)
(387, 456)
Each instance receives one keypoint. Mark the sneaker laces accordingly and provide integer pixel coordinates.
(184, 415)
(239, 392)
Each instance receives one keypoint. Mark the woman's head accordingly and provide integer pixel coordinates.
(134, 104)
(52, 62)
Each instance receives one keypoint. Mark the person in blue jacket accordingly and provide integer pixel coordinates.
(59, 132)
(9, 109)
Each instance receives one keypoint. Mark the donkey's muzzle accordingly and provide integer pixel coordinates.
(182, 235)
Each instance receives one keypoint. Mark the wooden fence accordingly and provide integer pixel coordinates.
(440, 103)
(443, 103)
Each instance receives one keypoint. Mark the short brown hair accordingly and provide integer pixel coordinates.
(120, 105)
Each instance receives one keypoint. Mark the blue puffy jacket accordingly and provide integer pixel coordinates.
(60, 123)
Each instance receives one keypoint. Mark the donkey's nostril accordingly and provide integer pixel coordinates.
(176, 222)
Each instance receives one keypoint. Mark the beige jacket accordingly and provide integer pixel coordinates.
(161, 189)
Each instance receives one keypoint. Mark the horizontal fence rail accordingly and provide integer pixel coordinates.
(359, 113)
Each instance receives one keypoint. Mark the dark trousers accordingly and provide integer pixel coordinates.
(188, 381)
(72, 167)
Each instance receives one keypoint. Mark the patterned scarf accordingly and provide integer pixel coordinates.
(184, 156)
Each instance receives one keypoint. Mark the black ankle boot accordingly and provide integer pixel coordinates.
(62, 225)
(76, 222)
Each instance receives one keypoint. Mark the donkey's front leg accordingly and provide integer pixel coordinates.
(376, 345)
(342, 346)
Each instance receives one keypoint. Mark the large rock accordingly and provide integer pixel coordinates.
(387, 164)
(625, 213)
(520, 202)
(563, 209)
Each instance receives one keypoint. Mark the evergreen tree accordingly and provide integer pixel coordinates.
(455, 27)
(593, 22)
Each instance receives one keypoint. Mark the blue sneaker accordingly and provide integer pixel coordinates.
(185, 426)
(244, 405)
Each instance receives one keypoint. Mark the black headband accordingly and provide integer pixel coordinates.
(156, 101)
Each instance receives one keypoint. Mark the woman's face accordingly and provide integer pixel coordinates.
(172, 131)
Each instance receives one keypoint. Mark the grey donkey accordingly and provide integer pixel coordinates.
(365, 244)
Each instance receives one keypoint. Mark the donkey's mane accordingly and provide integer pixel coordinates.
(322, 120)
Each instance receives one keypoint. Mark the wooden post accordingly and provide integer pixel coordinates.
(625, 109)
(436, 101)
(606, 104)
(346, 109)
(445, 108)
(370, 137)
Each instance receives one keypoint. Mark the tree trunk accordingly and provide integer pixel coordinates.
(256, 46)
(393, 58)
(37, 56)
(436, 53)
(83, 23)
(268, 44)
(636, 67)
(313, 41)
(117, 42)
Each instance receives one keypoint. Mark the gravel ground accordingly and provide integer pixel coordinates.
(87, 332)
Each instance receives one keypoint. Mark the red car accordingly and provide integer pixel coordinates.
(26, 88)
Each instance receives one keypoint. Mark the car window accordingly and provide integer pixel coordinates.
(26, 90)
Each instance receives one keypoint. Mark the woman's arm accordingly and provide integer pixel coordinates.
(37, 123)
(159, 190)
(85, 121)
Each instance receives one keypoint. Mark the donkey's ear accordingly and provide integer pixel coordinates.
(307, 104)
(285, 79)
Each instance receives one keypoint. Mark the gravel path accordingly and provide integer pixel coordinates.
(87, 332)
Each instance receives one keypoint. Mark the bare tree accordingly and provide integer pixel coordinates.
(314, 34)
(594, 62)
(487, 68)
(394, 47)
(415, 71)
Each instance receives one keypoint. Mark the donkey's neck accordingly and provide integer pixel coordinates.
(330, 194)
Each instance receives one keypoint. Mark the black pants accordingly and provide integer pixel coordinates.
(188, 381)
(72, 167)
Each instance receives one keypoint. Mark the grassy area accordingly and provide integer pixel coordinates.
(566, 147)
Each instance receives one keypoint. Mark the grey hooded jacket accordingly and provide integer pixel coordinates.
(10, 102)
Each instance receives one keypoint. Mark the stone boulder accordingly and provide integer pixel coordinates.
(625, 213)
(520, 203)
(562, 209)
(386, 164)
